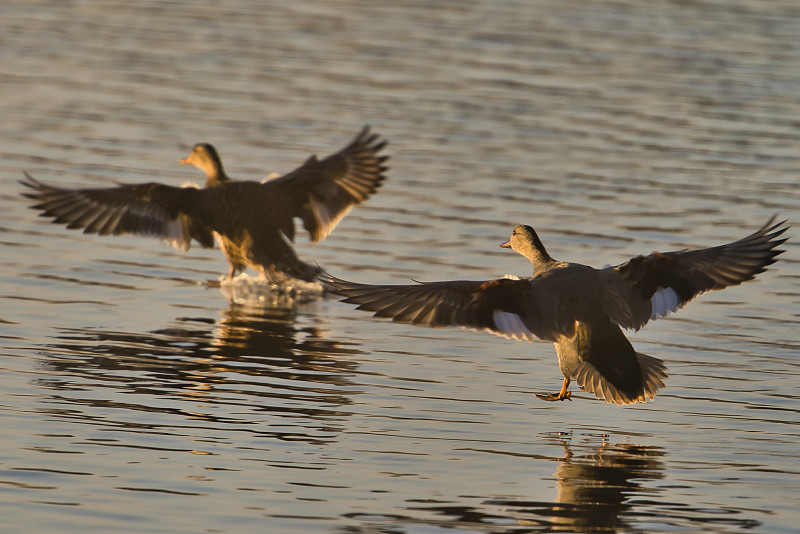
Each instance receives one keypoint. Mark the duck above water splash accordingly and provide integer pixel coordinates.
(252, 221)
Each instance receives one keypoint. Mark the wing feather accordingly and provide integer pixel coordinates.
(144, 209)
(504, 307)
(648, 287)
(322, 192)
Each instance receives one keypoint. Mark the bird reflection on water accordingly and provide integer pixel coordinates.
(597, 482)
(254, 365)
(601, 486)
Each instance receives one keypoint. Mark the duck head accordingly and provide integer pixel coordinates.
(205, 157)
(524, 241)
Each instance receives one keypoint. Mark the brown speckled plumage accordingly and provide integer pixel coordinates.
(579, 308)
(253, 221)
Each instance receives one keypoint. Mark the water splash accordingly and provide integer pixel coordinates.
(258, 290)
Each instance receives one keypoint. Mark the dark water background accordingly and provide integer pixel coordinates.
(133, 399)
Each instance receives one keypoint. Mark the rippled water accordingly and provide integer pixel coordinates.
(135, 399)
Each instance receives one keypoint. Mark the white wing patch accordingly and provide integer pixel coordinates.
(270, 176)
(663, 302)
(510, 325)
(176, 233)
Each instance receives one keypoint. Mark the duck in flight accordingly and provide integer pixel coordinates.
(252, 221)
(582, 310)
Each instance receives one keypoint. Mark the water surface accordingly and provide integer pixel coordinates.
(135, 399)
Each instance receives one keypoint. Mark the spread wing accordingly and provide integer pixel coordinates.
(144, 209)
(322, 192)
(505, 307)
(648, 287)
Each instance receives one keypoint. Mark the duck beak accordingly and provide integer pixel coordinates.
(507, 244)
(186, 161)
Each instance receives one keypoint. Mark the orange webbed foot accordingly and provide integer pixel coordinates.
(564, 394)
(555, 396)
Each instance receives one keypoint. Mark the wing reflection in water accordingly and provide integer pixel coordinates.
(255, 368)
(597, 482)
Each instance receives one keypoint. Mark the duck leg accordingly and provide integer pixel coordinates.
(565, 393)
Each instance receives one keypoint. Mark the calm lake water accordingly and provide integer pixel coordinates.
(135, 399)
